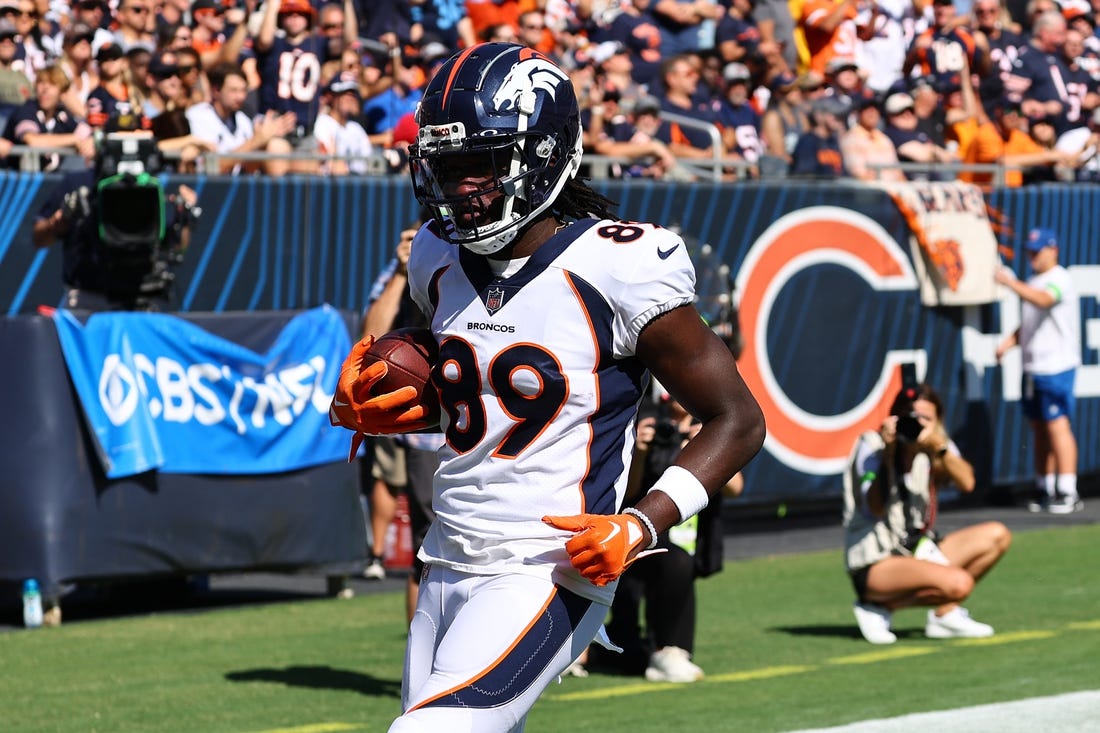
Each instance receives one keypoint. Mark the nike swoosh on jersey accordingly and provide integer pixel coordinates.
(664, 254)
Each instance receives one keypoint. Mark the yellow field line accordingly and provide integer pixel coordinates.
(897, 652)
(884, 655)
(315, 728)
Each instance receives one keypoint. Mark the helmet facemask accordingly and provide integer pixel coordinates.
(523, 174)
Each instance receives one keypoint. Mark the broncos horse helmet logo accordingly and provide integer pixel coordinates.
(529, 75)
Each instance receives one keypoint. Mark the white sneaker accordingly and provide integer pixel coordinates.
(1065, 504)
(874, 623)
(955, 624)
(375, 570)
(672, 664)
(576, 669)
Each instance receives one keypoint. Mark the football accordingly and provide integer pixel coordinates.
(410, 354)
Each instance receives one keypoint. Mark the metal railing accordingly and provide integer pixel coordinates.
(600, 167)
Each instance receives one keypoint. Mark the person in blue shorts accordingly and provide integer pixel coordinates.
(1050, 338)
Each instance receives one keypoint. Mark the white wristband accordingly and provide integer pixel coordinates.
(680, 485)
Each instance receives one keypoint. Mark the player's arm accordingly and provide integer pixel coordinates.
(699, 371)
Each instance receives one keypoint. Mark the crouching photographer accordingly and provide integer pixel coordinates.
(122, 234)
(894, 555)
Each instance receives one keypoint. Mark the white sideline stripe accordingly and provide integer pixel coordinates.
(1077, 712)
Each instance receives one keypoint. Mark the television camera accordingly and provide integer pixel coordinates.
(140, 229)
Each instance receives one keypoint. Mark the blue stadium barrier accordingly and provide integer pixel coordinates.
(294, 243)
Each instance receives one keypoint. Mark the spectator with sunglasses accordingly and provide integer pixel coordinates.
(136, 24)
(30, 51)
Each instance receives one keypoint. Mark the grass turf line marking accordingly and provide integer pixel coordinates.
(315, 728)
(647, 687)
(1009, 638)
(884, 655)
(1085, 625)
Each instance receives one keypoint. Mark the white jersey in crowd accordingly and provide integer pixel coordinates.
(1051, 337)
(540, 386)
(345, 141)
(226, 135)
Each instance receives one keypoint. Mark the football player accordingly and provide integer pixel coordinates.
(550, 315)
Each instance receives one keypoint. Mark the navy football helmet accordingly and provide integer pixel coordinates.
(502, 117)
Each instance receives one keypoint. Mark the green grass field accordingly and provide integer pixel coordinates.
(776, 638)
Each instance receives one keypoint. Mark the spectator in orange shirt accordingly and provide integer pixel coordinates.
(831, 29)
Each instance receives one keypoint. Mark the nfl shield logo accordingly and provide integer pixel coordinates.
(494, 299)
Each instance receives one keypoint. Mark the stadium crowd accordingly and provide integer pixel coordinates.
(870, 89)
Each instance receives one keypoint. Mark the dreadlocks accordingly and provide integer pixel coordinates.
(578, 201)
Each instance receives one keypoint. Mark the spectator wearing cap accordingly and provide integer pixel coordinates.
(1079, 15)
(680, 82)
(45, 122)
(817, 153)
(783, 123)
(382, 111)
(215, 43)
(93, 14)
(941, 49)
(831, 29)
(866, 148)
(928, 105)
(77, 62)
(338, 133)
(136, 24)
(290, 67)
(844, 79)
(912, 144)
(631, 136)
(15, 89)
(114, 92)
(165, 86)
(616, 72)
(738, 119)
(636, 30)
(683, 24)
(222, 123)
(446, 21)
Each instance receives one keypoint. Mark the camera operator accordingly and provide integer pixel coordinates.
(120, 243)
(664, 582)
(893, 554)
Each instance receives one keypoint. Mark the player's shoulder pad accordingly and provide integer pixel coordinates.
(620, 254)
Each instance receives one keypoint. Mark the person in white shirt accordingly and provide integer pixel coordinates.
(1050, 337)
(337, 132)
(223, 123)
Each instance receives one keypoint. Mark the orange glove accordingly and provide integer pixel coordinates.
(354, 408)
(600, 549)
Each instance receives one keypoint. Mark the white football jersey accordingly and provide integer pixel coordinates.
(540, 387)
